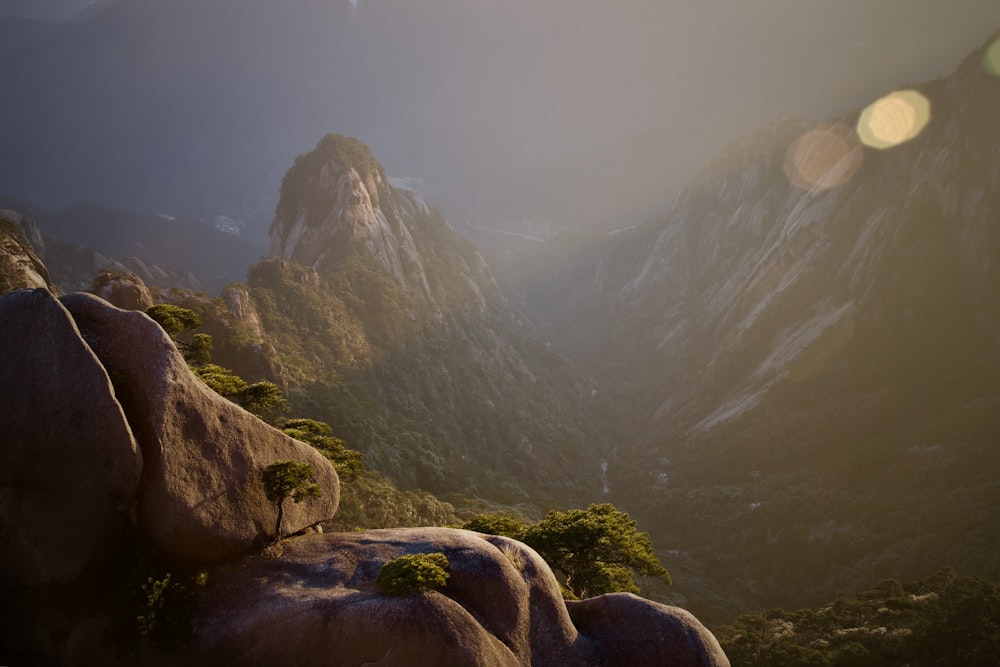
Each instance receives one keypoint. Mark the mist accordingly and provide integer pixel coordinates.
(528, 115)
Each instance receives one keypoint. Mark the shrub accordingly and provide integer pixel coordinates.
(415, 573)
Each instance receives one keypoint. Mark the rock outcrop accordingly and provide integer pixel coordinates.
(20, 267)
(317, 604)
(202, 497)
(126, 291)
(69, 466)
(338, 197)
(627, 629)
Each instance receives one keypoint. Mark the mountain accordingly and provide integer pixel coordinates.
(386, 324)
(807, 368)
(79, 241)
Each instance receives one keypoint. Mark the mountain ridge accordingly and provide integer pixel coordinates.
(794, 355)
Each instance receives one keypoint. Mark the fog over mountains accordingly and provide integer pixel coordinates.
(808, 372)
(560, 112)
(783, 359)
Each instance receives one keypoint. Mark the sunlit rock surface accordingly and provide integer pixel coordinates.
(315, 603)
(20, 267)
(202, 496)
(337, 197)
(126, 291)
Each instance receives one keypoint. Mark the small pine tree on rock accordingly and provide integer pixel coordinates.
(288, 479)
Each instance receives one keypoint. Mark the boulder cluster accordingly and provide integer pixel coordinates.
(106, 432)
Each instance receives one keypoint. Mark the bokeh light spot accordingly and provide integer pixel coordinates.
(823, 158)
(991, 59)
(894, 119)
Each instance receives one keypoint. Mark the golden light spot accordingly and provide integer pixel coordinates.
(823, 158)
(894, 119)
(991, 59)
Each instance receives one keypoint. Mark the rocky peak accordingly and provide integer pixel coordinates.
(126, 291)
(336, 201)
(20, 267)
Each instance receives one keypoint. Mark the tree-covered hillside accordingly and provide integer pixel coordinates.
(396, 334)
(943, 619)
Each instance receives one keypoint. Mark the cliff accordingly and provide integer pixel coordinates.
(20, 267)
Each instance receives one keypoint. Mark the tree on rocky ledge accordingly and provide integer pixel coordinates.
(288, 479)
(597, 550)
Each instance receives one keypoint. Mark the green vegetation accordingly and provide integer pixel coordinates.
(368, 499)
(416, 573)
(288, 479)
(174, 319)
(371, 500)
(263, 399)
(597, 550)
(942, 619)
(297, 186)
(155, 601)
(167, 607)
(348, 462)
(498, 524)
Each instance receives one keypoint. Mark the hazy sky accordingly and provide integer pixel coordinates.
(549, 109)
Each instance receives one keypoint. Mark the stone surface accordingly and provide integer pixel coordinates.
(69, 466)
(348, 202)
(316, 603)
(202, 496)
(126, 291)
(20, 267)
(622, 624)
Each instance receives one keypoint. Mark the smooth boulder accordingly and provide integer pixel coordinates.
(69, 466)
(203, 498)
(316, 603)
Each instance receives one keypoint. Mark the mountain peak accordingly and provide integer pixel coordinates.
(336, 201)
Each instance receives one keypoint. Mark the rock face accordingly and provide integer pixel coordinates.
(629, 630)
(125, 291)
(337, 197)
(797, 324)
(20, 267)
(202, 497)
(317, 604)
(69, 466)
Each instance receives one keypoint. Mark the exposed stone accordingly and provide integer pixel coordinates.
(69, 466)
(316, 604)
(342, 198)
(126, 291)
(622, 624)
(202, 495)
(20, 267)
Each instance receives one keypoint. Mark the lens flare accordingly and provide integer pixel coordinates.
(894, 119)
(823, 158)
(991, 59)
